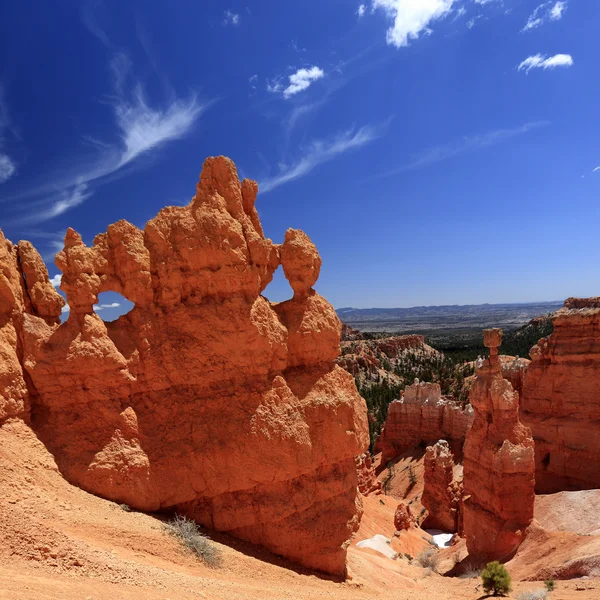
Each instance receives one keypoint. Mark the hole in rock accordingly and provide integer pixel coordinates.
(112, 305)
(279, 289)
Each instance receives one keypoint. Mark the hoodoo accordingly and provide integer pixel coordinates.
(498, 464)
(205, 398)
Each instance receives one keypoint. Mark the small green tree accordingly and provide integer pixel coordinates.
(550, 585)
(496, 579)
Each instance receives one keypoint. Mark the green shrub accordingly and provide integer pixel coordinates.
(187, 532)
(412, 478)
(496, 579)
(550, 585)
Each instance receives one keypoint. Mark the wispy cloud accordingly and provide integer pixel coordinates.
(140, 127)
(231, 18)
(361, 10)
(7, 165)
(299, 81)
(464, 145)
(411, 17)
(55, 281)
(541, 61)
(596, 169)
(321, 151)
(548, 11)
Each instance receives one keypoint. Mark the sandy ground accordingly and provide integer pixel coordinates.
(60, 543)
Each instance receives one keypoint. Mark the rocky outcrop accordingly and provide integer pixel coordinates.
(403, 517)
(422, 416)
(367, 478)
(561, 399)
(498, 464)
(442, 491)
(205, 398)
(24, 290)
(375, 359)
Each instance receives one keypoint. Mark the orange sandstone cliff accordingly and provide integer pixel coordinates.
(498, 464)
(422, 415)
(205, 399)
(561, 399)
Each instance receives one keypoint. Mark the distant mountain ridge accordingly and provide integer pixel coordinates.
(448, 318)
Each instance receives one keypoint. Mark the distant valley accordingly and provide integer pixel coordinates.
(444, 324)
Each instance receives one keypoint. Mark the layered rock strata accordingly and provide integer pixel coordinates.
(442, 491)
(561, 400)
(205, 398)
(499, 464)
(422, 416)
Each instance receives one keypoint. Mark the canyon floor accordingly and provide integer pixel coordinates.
(59, 542)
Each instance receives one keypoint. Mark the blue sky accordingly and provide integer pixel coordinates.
(436, 151)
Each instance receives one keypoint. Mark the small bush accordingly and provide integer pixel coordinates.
(470, 571)
(550, 585)
(412, 478)
(428, 559)
(408, 556)
(125, 507)
(496, 579)
(535, 595)
(187, 532)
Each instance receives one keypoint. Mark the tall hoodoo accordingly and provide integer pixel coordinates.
(499, 464)
(561, 399)
(442, 490)
(205, 398)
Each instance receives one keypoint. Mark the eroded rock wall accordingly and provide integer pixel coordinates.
(205, 398)
(561, 400)
(422, 416)
(498, 463)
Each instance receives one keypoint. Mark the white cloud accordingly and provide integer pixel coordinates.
(7, 165)
(548, 11)
(144, 128)
(361, 10)
(231, 18)
(596, 169)
(411, 17)
(55, 281)
(557, 10)
(141, 129)
(320, 152)
(299, 81)
(65, 309)
(462, 146)
(539, 61)
(7, 168)
(99, 307)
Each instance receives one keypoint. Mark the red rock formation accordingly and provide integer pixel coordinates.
(204, 398)
(561, 399)
(24, 289)
(364, 356)
(442, 492)
(498, 464)
(422, 416)
(367, 478)
(403, 517)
